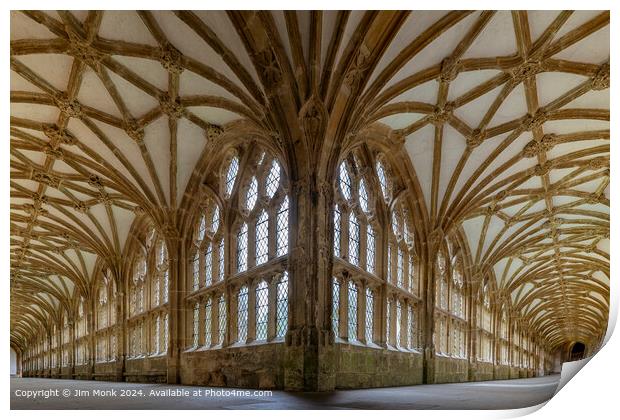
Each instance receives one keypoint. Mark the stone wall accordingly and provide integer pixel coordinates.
(448, 369)
(502, 372)
(257, 366)
(106, 371)
(82, 372)
(146, 369)
(481, 371)
(367, 367)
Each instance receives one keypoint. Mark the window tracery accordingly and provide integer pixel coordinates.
(105, 335)
(250, 221)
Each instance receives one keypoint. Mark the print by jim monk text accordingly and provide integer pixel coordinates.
(139, 393)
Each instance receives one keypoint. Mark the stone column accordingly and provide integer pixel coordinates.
(176, 317)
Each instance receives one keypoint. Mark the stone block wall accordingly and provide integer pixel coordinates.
(106, 371)
(366, 367)
(447, 369)
(258, 366)
(147, 369)
(481, 371)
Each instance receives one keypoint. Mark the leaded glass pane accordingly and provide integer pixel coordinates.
(336, 307)
(363, 194)
(208, 325)
(382, 180)
(282, 305)
(166, 285)
(220, 271)
(202, 227)
(242, 248)
(208, 265)
(370, 249)
(195, 330)
(345, 181)
(282, 229)
(370, 306)
(231, 174)
(388, 328)
(196, 271)
(400, 267)
(221, 319)
(215, 219)
(252, 194)
(262, 238)
(398, 321)
(352, 314)
(354, 239)
(262, 310)
(273, 179)
(410, 323)
(337, 232)
(242, 314)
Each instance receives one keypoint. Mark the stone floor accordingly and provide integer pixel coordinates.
(515, 393)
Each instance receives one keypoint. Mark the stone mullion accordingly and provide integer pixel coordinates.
(428, 308)
(176, 316)
(233, 319)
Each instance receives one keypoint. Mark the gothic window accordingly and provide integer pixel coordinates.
(242, 314)
(253, 189)
(262, 310)
(196, 270)
(398, 322)
(352, 313)
(337, 228)
(383, 180)
(336, 307)
(196, 325)
(388, 324)
(370, 306)
(282, 305)
(410, 327)
(370, 249)
(105, 309)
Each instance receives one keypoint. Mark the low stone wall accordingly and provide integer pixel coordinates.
(107, 371)
(514, 373)
(481, 371)
(83, 372)
(502, 372)
(147, 369)
(368, 367)
(447, 369)
(258, 366)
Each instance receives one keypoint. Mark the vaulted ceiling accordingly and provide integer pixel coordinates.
(504, 116)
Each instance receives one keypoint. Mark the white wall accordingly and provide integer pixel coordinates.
(13, 362)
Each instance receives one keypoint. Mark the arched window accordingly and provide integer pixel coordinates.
(484, 324)
(252, 189)
(147, 328)
(196, 325)
(336, 307)
(105, 308)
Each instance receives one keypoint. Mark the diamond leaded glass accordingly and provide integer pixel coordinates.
(262, 238)
(354, 239)
(352, 314)
(370, 306)
(262, 310)
(282, 229)
(282, 305)
(221, 325)
(231, 174)
(242, 314)
(336, 307)
(242, 248)
(252, 194)
(273, 179)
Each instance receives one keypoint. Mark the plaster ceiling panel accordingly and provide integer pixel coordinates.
(593, 99)
(125, 25)
(136, 100)
(149, 70)
(194, 84)
(426, 92)
(18, 83)
(399, 121)
(303, 21)
(574, 126)
(452, 147)
(508, 153)
(98, 211)
(539, 20)
(474, 111)
(219, 22)
(552, 85)
(328, 27)
(420, 149)
(157, 142)
(22, 27)
(280, 22)
(468, 80)
(42, 113)
(563, 149)
(593, 49)
(191, 143)
(53, 68)
(212, 115)
(440, 48)
(575, 20)
(496, 39)
(192, 45)
(94, 94)
(123, 219)
(512, 108)
(416, 23)
(472, 229)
